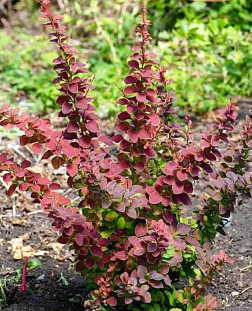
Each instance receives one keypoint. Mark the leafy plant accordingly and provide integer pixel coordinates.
(209, 51)
(27, 71)
(131, 237)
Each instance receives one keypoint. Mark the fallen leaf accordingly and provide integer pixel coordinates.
(57, 247)
(18, 250)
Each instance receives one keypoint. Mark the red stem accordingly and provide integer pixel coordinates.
(24, 274)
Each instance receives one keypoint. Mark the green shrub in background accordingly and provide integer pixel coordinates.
(206, 45)
(209, 52)
(24, 71)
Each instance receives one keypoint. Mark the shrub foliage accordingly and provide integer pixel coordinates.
(131, 235)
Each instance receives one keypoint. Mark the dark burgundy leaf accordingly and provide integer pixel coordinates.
(89, 263)
(207, 168)
(130, 80)
(185, 199)
(152, 247)
(133, 64)
(122, 101)
(96, 251)
(72, 127)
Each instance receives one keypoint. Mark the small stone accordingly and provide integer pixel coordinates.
(41, 277)
(234, 294)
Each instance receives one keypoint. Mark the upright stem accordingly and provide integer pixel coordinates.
(24, 274)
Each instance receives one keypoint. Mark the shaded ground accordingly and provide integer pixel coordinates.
(55, 286)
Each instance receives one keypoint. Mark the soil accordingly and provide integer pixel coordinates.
(55, 286)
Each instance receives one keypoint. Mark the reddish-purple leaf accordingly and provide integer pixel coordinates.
(133, 64)
(130, 80)
(182, 175)
(96, 251)
(89, 263)
(146, 297)
(68, 151)
(47, 154)
(7, 177)
(25, 164)
(122, 126)
(188, 187)
(192, 241)
(122, 255)
(152, 247)
(155, 198)
(122, 101)
(24, 140)
(79, 239)
(132, 213)
(61, 100)
(84, 141)
(185, 199)
(141, 271)
(11, 189)
(168, 217)
(171, 165)
(183, 229)
(139, 251)
(37, 148)
(128, 300)
(3, 157)
(123, 116)
(44, 181)
(156, 276)
(72, 169)
(207, 168)
(177, 187)
(82, 104)
(72, 127)
(103, 242)
(129, 90)
(92, 126)
(140, 229)
(54, 186)
(112, 301)
(123, 164)
(143, 133)
(67, 108)
(24, 186)
(133, 135)
(141, 97)
(73, 88)
(194, 171)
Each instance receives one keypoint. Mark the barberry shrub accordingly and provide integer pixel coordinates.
(134, 233)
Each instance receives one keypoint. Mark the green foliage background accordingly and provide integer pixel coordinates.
(206, 46)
